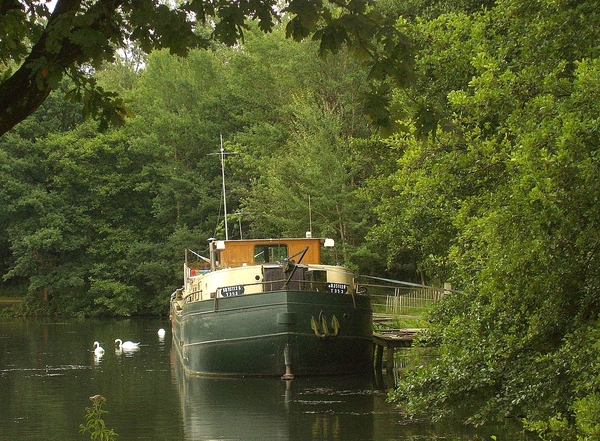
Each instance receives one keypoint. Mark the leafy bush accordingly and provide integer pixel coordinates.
(94, 422)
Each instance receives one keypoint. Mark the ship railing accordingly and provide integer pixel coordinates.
(280, 284)
(274, 285)
(392, 300)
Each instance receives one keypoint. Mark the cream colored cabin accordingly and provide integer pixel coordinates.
(253, 266)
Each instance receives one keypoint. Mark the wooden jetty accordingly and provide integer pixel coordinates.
(391, 339)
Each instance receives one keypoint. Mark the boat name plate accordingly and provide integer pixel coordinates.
(232, 291)
(337, 288)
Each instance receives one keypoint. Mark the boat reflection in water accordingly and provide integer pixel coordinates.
(312, 408)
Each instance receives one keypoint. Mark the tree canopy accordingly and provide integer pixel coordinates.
(500, 196)
(96, 221)
(40, 47)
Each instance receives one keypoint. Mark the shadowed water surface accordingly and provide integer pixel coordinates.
(48, 372)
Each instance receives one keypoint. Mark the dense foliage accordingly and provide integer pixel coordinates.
(487, 177)
(96, 222)
(43, 42)
(500, 194)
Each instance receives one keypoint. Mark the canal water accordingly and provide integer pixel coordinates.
(48, 371)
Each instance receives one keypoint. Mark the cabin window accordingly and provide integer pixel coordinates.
(270, 253)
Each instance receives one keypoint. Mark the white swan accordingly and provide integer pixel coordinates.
(98, 350)
(161, 333)
(126, 345)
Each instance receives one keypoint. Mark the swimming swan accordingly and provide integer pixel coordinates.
(161, 333)
(126, 345)
(98, 351)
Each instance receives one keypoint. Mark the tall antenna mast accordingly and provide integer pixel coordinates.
(224, 192)
(309, 215)
(222, 154)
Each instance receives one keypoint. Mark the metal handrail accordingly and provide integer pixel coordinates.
(304, 285)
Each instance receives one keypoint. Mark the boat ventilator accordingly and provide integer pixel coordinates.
(320, 327)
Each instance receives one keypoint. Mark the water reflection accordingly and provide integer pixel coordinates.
(308, 409)
(127, 352)
(48, 371)
(267, 408)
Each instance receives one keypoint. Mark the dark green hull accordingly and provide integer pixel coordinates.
(258, 334)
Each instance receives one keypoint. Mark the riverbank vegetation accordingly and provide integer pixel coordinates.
(480, 168)
(94, 421)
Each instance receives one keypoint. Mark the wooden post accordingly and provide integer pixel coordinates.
(447, 288)
(390, 358)
(378, 356)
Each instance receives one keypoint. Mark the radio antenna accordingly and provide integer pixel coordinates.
(222, 154)
(309, 215)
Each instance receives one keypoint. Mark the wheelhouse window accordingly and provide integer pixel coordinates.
(270, 253)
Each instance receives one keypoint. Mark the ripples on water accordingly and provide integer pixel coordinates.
(48, 371)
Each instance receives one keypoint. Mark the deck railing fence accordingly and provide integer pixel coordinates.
(403, 300)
